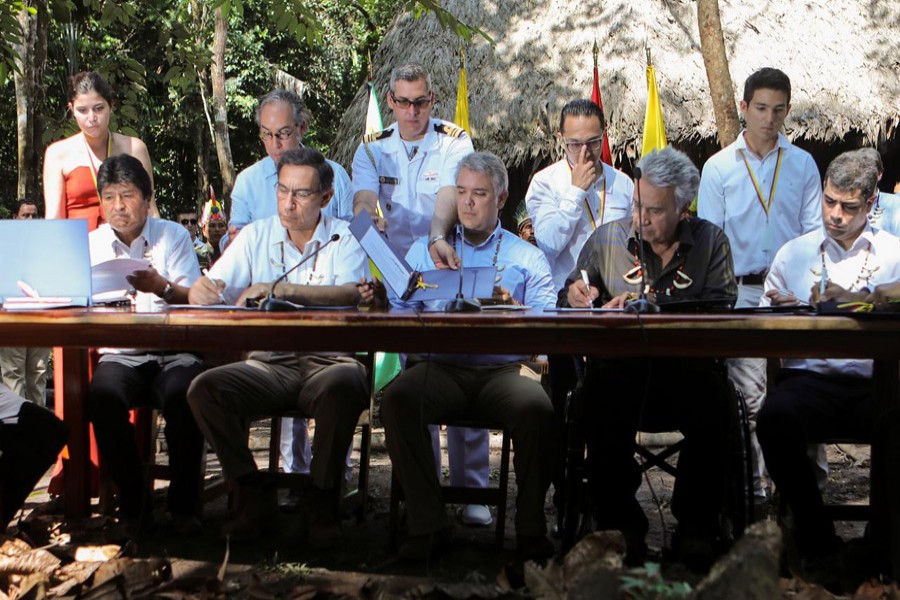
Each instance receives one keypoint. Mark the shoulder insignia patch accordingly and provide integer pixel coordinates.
(449, 129)
(377, 135)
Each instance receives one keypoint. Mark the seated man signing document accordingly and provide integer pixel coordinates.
(686, 259)
(330, 388)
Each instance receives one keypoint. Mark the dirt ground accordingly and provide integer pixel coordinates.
(473, 556)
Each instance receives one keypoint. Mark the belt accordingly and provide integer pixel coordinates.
(752, 279)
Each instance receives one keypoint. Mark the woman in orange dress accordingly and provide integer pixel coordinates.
(70, 188)
(71, 164)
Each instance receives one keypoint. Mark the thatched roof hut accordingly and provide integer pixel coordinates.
(843, 59)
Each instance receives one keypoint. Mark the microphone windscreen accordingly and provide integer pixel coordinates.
(637, 172)
(335, 237)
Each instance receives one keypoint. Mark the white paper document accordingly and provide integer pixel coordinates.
(108, 278)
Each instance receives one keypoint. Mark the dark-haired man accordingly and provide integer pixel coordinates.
(283, 120)
(812, 398)
(763, 191)
(127, 378)
(572, 197)
(330, 388)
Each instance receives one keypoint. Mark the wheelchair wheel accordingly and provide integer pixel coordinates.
(737, 507)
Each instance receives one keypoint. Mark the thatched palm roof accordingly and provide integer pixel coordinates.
(843, 59)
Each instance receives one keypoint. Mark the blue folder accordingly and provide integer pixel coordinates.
(53, 257)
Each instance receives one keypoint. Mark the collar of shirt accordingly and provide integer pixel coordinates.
(741, 144)
(270, 169)
(683, 232)
(393, 144)
(138, 246)
(488, 240)
(834, 249)
(320, 235)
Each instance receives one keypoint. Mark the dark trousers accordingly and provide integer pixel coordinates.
(431, 392)
(805, 407)
(27, 449)
(623, 397)
(116, 389)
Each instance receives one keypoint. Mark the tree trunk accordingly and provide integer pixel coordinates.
(201, 147)
(24, 82)
(712, 45)
(220, 112)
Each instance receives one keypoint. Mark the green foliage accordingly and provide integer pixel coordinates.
(446, 19)
(647, 583)
(156, 56)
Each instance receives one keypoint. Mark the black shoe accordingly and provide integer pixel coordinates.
(534, 547)
(186, 525)
(423, 547)
(695, 547)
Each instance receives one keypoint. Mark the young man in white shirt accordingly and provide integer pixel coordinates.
(812, 398)
(330, 388)
(762, 191)
(574, 196)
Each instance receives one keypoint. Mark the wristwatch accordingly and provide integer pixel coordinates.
(168, 292)
(434, 240)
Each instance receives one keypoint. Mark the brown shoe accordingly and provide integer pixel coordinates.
(257, 510)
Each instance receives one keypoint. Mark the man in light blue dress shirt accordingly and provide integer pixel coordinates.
(283, 120)
(489, 387)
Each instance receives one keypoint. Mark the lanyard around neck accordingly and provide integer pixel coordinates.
(766, 204)
(95, 169)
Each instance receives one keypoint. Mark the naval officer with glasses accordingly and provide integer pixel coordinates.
(283, 120)
(401, 174)
(405, 178)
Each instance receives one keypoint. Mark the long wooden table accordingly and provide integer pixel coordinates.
(613, 335)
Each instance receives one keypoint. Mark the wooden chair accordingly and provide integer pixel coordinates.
(490, 496)
(364, 425)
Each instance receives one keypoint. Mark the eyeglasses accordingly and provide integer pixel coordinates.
(418, 103)
(284, 134)
(191, 221)
(593, 144)
(296, 195)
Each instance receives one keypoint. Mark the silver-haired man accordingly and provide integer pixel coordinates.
(685, 259)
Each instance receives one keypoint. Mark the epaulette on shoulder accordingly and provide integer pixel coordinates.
(377, 135)
(449, 129)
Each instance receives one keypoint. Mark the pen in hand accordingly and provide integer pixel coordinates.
(205, 272)
(823, 283)
(587, 285)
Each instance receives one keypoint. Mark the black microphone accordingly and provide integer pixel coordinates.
(273, 304)
(642, 304)
(461, 303)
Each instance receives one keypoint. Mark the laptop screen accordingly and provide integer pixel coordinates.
(52, 257)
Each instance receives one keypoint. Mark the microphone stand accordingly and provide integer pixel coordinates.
(642, 305)
(461, 303)
(273, 304)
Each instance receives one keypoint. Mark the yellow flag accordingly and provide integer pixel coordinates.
(654, 128)
(462, 97)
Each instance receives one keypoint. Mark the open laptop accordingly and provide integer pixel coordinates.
(52, 257)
